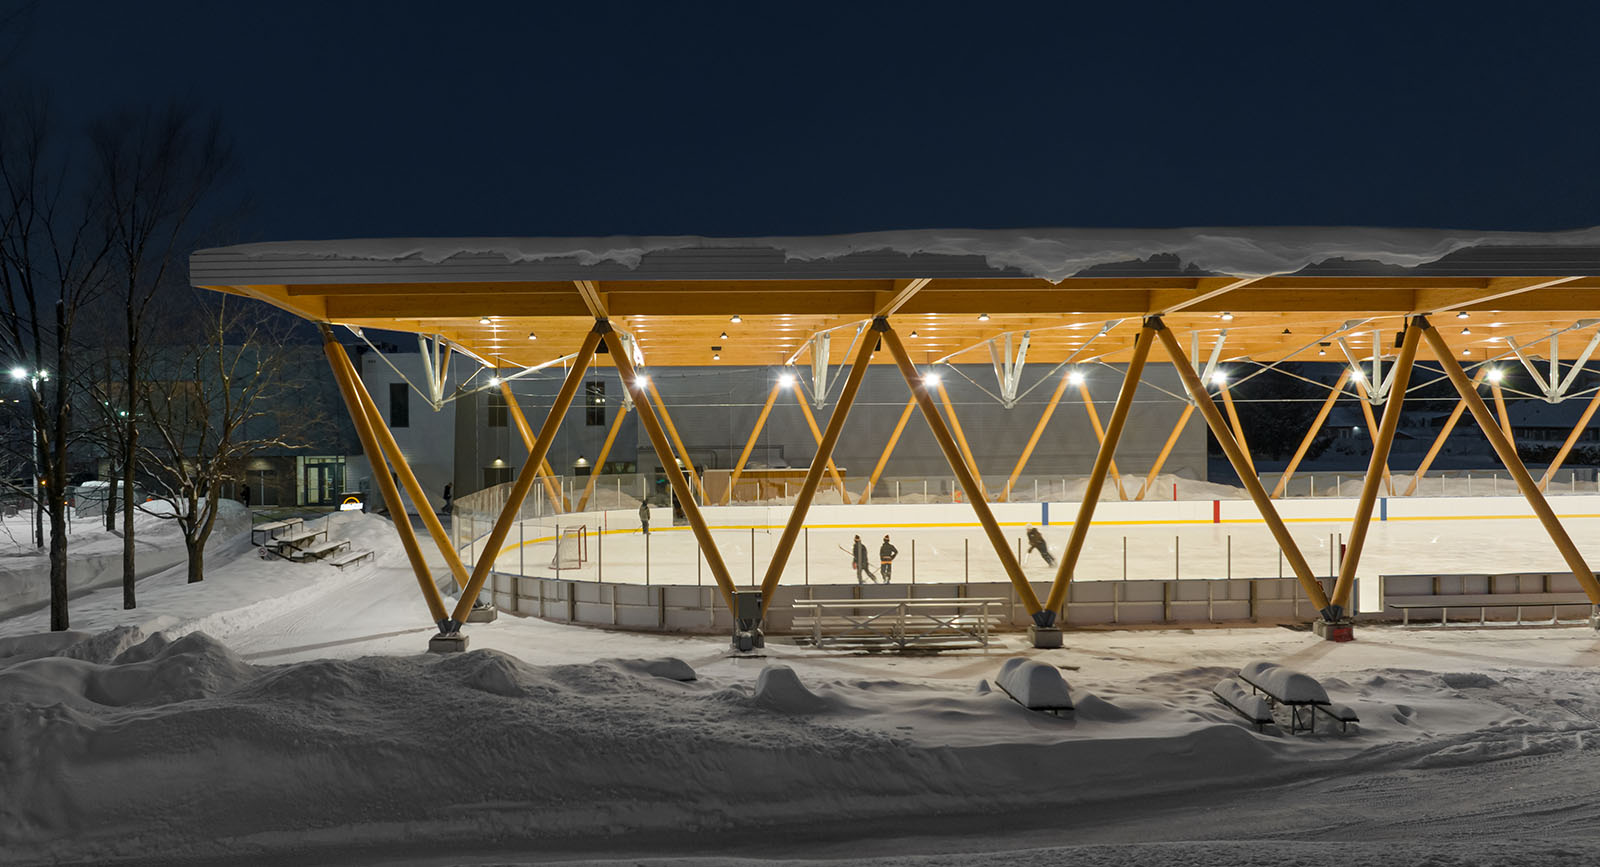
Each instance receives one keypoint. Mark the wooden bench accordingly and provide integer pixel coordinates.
(319, 550)
(351, 558)
(900, 623)
(1483, 602)
(1246, 704)
(269, 532)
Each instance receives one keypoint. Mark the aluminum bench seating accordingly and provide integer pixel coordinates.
(350, 558)
(1483, 602)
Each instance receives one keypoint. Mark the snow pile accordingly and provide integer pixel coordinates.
(1240, 698)
(1034, 685)
(779, 688)
(1285, 684)
(1050, 253)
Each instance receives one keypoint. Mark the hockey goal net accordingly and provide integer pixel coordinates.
(572, 547)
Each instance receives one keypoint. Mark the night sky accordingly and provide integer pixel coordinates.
(461, 118)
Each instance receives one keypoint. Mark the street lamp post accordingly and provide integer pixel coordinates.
(19, 374)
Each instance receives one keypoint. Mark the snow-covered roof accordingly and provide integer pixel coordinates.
(1051, 254)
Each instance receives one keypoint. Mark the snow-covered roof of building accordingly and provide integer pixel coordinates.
(1049, 254)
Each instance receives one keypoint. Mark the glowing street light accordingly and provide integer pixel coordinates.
(19, 373)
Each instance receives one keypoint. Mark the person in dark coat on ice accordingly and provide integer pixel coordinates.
(1036, 543)
(886, 554)
(858, 556)
(644, 517)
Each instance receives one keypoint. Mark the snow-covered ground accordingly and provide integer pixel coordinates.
(287, 714)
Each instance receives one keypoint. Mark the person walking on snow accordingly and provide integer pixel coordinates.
(1036, 543)
(886, 555)
(448, 487)
(644, 517)
(858, 556)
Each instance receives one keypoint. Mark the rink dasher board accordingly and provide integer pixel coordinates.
(699, 609)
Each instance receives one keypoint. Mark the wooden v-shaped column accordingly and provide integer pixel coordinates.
(969, 483)
(525, 478)
(675, 477)
(1102, 464)
(822, 459)
(1241, 466)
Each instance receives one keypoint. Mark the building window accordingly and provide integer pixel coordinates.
(498, 414)
(594, 403)
(399, 405)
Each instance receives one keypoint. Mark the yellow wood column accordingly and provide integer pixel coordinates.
(1444, 432)
(1033, 440)
(816, 434)
(1100, 436)
(524, 483)
(750, 444)
(823, 457)
(1102, 464)
(605, 451)
(1382, 439)
(1572, 439)
(961, 439)
(551, 489)
(397, 459)
(672, 430)
(1311, 435)
(1372, 428)
(1238, 428)
(1166, 449)
(1219, 429)
(675, 477)
(883, 460)
(1500, 410)
(1508, 456)
(958, 465)
(380, 474)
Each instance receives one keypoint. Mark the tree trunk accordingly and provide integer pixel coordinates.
(197, 560)
(128, 600)
(111, 514)
(194, 539)
(58, 560)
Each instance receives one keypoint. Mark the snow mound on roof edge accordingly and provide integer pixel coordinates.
(1051, 253)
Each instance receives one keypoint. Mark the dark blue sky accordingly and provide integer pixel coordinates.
(461, 118)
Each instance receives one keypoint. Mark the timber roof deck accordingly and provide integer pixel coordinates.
(677, 299)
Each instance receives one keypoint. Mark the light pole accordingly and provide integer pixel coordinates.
(19, 374)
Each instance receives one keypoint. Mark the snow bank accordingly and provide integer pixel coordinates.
(1285, 684)
(780, 689)
(1242, 699)
(1053, 254)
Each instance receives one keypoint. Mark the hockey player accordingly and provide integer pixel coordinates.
(858, 556)
(1036, 543)
(886, 554)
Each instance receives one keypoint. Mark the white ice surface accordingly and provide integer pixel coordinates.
(305, 725)
(1053, 254)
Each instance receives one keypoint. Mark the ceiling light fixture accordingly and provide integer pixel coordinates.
(735, 319)
(484, 320)
(1226, 316)
(1462, 315)
(532, 336)
(983, 317)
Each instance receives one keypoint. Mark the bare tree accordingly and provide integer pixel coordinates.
(210, 404)
(54, 254)
(155, 172)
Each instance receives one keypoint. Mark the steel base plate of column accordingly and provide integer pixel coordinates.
(483, 614)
